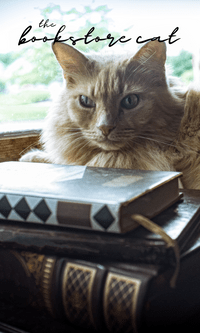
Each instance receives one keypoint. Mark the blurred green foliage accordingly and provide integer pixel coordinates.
(75, 15)
(2, 86)
(45, 67)
(181, 66)
(24, 97)
(22, 112)
(187, 76)
(8, 58)
(23, 105)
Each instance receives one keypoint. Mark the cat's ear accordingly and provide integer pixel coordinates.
(71, 60)
(153, 50)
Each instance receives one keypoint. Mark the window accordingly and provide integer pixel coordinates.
(29, 73)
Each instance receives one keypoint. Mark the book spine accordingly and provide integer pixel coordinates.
(80, 244)
(44, 210)
(87, 294)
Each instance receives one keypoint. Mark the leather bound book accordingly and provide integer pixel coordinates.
(91, 295)
(180, 221)
(98, 296)
(84, 197)
(99, 293)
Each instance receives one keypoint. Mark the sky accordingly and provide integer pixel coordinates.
(147, 18)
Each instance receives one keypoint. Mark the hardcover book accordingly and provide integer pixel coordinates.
(180, 221)
(85, 197)
(99, 296)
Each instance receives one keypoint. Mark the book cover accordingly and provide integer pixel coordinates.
(78, 196)
(181, 221)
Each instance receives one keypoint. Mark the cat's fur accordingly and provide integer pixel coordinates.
(185, 153)
(106, 134)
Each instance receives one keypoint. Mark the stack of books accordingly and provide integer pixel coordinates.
(73, 243)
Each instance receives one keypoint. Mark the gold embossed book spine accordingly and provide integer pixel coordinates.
(95, 296)
(90, 295)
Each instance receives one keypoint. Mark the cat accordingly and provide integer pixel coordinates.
(113, 111)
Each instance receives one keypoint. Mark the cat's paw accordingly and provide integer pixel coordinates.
(38, 156)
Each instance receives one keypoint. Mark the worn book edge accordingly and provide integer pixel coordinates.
(116, 218)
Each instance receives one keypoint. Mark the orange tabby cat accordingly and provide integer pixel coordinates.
(114, 111)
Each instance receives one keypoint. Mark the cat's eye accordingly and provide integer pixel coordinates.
(86, 101)
(130, 101)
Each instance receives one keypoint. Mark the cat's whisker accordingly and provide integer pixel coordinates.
(72, 134)
(76, 140)
(81, 142)
(28, 148)
(154, 140)
(161, 140)
(91, 135)
(87, 143)
(77, 130)
(190, 149)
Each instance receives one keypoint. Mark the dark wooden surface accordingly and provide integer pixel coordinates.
(14, 145)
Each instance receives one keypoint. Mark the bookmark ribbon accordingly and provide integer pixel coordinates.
(153, 227)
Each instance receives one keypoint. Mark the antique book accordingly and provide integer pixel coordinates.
(180, 221)
(78, 196)
(97, 295)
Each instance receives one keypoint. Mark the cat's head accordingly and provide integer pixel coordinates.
(114, 100)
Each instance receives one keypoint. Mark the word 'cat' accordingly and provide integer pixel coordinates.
(158, 38)
(85, 39)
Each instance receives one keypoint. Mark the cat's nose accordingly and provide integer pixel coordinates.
(106, 129)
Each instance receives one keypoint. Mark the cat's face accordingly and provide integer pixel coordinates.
(113, 102)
